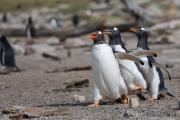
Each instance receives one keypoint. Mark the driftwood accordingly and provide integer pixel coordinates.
(78, 84)
(139, 13)
(78, 68)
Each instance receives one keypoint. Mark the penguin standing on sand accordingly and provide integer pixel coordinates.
(7, 57)
(151, 69)
(54, 22)
(30, 29)
(108, 82)
(130, 70)
(4, 17)
(75, 20)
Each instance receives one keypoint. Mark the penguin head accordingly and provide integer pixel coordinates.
(139, 31)
(2, 39)
(112, 31)
(97, 37)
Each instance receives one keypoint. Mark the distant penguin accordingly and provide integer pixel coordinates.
(4, 17)
(107, 1)
(75, 20)
(151, 69)
(30, 29)
(131, 72)
(108, 83)
(54, 22)
(19, 6)
(7, 56)
(88, 12)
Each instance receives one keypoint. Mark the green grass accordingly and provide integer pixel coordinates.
(11, 5)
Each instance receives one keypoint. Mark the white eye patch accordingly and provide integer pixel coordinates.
(115, 28)
(143, 29)
(99, 32)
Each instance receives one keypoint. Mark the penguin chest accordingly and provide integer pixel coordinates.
(106, 71)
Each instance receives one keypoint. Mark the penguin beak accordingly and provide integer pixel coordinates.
(133, 30)
(106, 31)
(93, 35)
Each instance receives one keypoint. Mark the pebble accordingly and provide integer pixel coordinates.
(134, 102)
(79, 98)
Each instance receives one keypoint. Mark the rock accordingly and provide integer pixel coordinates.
(2, 85)
(19, 50)
(12, 109)
(169, 65)
(53, 41)
(134, 102)
(79, 98)
(42, 48)
(74, 42)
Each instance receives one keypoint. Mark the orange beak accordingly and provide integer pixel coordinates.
(133, 30)
(106, 31)
(93, 35)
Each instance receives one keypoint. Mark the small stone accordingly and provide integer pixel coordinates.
(53, 41)
(2, 85)
(42, 48)
(134, 102)
(169, 65)
(79, 98)
(19, 50)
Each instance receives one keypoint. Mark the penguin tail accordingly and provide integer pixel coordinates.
(169, 94)
(141, 96)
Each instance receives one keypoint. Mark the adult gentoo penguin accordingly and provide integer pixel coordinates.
(54, 22)
(130, 70)
(108, 82)
(7, 55)
(30, 29)
(151, 69)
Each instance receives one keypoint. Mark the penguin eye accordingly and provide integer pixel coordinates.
(99, 33)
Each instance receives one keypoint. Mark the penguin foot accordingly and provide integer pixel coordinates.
(138, 87)
(124, 99)
(96, 103)
(150, 99)
(161, 95)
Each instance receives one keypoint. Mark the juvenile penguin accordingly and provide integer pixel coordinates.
(108, 82)
(151, 69)
(130, 70)
(7, 55)
(30, 29)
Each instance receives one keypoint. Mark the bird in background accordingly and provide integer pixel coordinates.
(75, 20)
(4, 17)
(30, 29)
(55, 22)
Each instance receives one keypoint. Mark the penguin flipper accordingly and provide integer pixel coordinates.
(162, 67)
(141, 96)
(143, 53)
(169, 94)
(127, 56)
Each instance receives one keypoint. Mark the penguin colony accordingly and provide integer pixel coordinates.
(118, 72)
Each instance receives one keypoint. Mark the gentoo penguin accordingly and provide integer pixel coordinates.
(30, 29)
(54, 22)
(108, 82)
(4, 17)
(130, 70)
(151, 69)
(75, 20)
(7, 57)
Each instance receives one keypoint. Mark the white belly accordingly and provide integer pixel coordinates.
(106, 72)
(152, 78)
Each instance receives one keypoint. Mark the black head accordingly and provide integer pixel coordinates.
(97, 37)
(140, 32)
(112, 31)
(3, 39)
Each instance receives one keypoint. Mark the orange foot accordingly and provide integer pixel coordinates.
(124, 99)
(96, 103)
(161, 95)
(150, 99)
(138, 87)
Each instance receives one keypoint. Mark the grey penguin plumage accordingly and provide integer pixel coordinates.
(151, 69)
